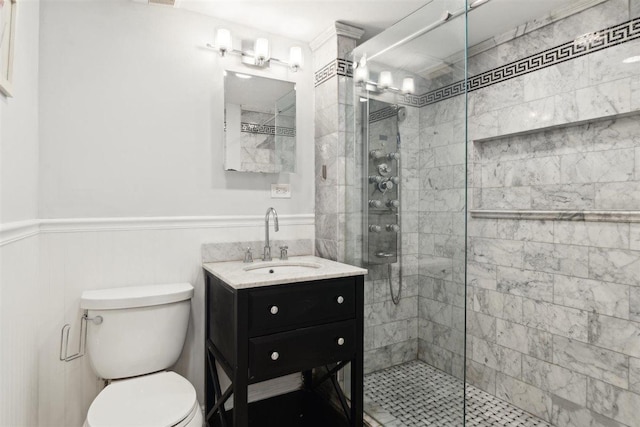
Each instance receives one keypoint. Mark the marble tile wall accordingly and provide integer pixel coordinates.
(331, 115)
(441, 199)
(553, 323)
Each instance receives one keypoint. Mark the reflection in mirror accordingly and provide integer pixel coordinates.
(260, 124)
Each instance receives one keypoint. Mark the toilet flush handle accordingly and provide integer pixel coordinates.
(96, 320)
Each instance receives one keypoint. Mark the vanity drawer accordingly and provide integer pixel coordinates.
(287, 352)
(285, 307)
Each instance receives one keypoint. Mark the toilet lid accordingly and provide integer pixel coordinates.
(158, 400)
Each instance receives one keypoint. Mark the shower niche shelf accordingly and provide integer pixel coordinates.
(580, 171)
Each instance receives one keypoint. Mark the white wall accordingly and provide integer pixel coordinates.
(132, 114)
(123, 119)
(19, 273)
(19, 123)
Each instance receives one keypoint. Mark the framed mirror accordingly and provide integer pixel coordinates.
(260, 124)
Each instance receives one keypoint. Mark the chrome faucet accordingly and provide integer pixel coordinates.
(267, 246)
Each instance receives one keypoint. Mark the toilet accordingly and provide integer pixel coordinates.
(134, 335)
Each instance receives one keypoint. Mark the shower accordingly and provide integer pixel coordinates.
(477, 313)
(383, 191)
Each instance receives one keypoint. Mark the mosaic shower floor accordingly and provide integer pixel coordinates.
(415, 394)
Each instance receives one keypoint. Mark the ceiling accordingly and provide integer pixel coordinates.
(304, 20)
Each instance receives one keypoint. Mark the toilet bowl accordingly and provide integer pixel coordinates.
(133, 335)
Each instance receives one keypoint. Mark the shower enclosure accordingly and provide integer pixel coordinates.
(492, 191)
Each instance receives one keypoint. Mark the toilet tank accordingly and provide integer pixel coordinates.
(143, 328)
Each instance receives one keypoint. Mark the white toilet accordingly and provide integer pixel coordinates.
(136, 333)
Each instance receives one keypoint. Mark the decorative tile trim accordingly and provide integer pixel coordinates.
(337, 67)
(267, 129)
(382, 114)
(557, 215)
(583, 45)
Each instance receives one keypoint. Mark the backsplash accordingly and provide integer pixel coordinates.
(217, 252)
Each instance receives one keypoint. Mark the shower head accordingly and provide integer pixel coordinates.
(402, 113)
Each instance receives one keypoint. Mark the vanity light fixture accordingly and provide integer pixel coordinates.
(385, 80)
(295, 58)
(361, 73)
(408, 86)
(260, 57)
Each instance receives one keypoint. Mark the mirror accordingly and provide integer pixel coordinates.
(260, 124)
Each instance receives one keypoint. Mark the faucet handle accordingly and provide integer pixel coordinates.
(248, 256)
(283, 253)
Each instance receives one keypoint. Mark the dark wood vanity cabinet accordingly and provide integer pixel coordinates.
(264, 332)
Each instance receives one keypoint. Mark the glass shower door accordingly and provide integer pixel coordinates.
(406, 218)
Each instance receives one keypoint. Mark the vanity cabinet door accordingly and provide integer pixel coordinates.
(284, 307)
(287, 352)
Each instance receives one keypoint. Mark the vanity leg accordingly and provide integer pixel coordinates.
(241, 371)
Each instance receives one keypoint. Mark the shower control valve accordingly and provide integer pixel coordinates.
(383, 169)
(395, 180)
(393, 227)
(376, 154)
(375, 203)
(393, 203)
(385, 186)
(375, 228)
(377, 179)
(393, 156)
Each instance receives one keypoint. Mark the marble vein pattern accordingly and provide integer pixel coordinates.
(234, 274)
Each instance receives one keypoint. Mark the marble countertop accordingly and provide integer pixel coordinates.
(290, 271)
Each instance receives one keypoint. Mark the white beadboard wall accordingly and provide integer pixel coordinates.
(20, 320)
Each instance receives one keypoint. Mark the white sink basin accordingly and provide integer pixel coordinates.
(287, 267)
(305, 268)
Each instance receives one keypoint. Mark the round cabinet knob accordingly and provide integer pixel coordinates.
(375, 228)
(340, 341)
(274, 309)
(275, 355)
(393, 203)
(393, 156)
(395, 180)
(393, 227)
(340, 299)
(375, 203)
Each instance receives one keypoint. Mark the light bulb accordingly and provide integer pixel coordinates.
(223, 41)
(295, 57)
(361, 74)
(261, 50)
(385, 80)
(408, 85)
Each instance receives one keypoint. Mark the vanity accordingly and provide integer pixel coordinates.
(268, 319)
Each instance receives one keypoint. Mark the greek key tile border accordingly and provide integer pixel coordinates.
(267, 129)
(381, 114)
(337, 67)
(584, 45)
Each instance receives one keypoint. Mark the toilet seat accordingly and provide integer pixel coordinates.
(164, 399)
